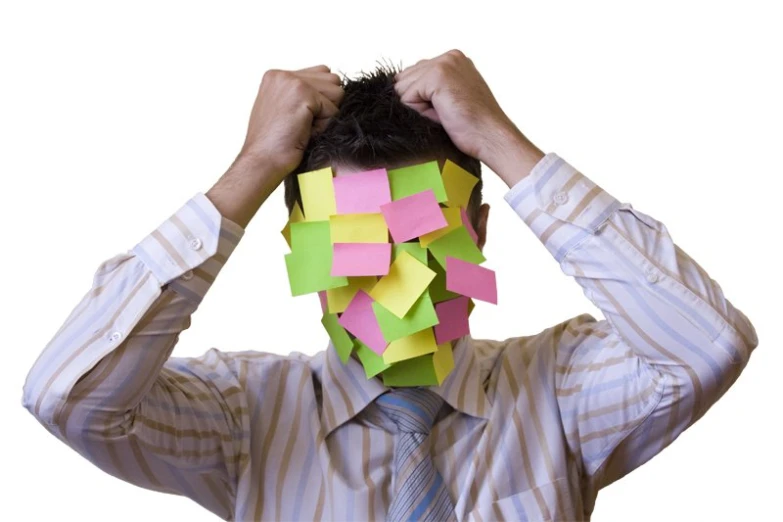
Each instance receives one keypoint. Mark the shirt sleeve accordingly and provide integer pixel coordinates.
(105, 384)
(670, 344)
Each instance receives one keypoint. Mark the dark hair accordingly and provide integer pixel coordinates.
(374, 129)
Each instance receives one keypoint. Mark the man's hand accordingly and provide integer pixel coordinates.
(289, 107)
(449, 90)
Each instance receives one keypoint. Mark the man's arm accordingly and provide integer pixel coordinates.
(105, 384)
(671, 343)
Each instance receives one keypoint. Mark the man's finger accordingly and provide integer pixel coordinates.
(315, 68)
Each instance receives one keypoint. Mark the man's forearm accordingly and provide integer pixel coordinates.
(239, 193)
(514, 157)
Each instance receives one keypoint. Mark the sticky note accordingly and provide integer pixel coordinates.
(471, 280)
(337, 299)
(360, 320)
(468, 225)
(407, 181)
(414, 345)
(362, 191)
(402, 286)
(424, 370)
(421, 315)
(308, 273)
(437, 288)
(458, 244)
(340, 339)
(310, 261)
(361, 259)
(322, 296)
(358, 228)
(452, 320)
(414, 249)
(413, 216)
(295, 217)
(372, 362)
(317, 190)
(459, 184)
(453, 220)
(305, 234)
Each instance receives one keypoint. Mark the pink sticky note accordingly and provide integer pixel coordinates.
(452, 320)
(413, 216)
(324, 304)
(468, 225)
(362, 192)
(359, 319)
(471, 280)
(361, 259)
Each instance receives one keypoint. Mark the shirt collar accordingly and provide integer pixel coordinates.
(346, 390)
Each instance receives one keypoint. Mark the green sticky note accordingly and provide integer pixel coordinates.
(458, 244)
(372, 362)
(421, 315)
(309, 264)
(309, 273)
(437, 288)
(407, 181)
(425, 370)
(340, 338)
(414, 249)
(305, 234)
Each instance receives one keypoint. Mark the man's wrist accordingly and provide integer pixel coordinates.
(514, 156)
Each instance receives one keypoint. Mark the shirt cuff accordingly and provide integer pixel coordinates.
(196, 239)
(560, 204)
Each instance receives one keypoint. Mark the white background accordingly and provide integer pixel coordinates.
(113, 116)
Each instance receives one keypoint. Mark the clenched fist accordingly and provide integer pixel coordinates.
(290, 106)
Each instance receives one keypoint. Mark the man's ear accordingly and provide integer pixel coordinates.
(481, 232)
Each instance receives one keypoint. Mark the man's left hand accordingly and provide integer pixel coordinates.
(448, 89)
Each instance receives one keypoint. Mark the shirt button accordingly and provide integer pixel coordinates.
(187, 275)
(561, 198)
(195, 243)
(652, 276)
(115, 336)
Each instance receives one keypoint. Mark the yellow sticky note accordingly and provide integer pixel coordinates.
(454, 220)
(443, 361)
(420, 343)
(317, 190)
(358, 228)
(295, 217)
(402, 286)
(337, 299)
(459, 184)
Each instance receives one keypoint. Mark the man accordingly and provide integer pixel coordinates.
(524, 429)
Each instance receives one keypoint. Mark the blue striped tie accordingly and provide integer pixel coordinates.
(420, 493)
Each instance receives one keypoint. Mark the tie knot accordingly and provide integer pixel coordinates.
(413, 410)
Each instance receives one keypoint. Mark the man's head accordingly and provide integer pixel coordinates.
(375, 129)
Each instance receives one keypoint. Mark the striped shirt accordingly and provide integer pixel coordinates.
(531, 428)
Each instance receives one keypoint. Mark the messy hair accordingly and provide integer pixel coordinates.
(375, 129)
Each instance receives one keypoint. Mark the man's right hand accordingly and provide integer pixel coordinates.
(290, 106)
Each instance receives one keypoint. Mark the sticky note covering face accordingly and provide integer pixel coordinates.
(413, 216)
(394, 259)
(459, 184)
(361, 259)
(411, 180)
(402, 286)
(358, 228)
(362, 192)
(317, 192)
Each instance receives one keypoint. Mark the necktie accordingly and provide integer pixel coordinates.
(420, 493)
